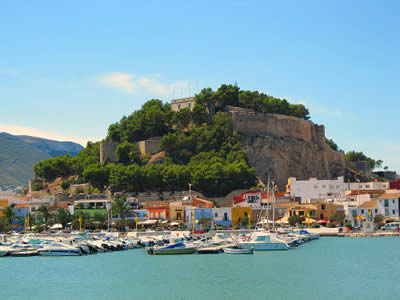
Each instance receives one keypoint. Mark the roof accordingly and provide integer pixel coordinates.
(285, 204)
(390, 196)
(370, 204)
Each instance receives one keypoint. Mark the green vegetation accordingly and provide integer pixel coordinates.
(338, 218)
(296, 220)
(360, 156)
(332, 144)
(201, 147)
(37, 186)
(378, 220)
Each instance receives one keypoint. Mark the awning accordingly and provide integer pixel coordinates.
(265, 221)
(56, 226)
(311, 221)
(174, 224)
(322, 222)
(147, 222)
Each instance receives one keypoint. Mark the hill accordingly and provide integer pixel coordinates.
(18, 154)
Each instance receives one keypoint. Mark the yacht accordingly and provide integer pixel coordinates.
(262, 241)
(59, 249)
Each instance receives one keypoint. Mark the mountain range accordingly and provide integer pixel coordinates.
(19, 153)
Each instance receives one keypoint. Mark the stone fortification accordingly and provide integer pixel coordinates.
(107, 153)
(286, 147)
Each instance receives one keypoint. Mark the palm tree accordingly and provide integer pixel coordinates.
(9, 214)
(120, 207)
(63, 217)
(44, 212)
(99, 219)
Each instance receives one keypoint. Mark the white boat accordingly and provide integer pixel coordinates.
(263, 241)
(59, 249)
(4, 250)
(235, 250)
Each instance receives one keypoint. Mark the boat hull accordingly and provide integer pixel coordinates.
(263, 246)
(173, 251)
(60, 253)
(238, 251)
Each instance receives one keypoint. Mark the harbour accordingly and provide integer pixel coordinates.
(333, 268)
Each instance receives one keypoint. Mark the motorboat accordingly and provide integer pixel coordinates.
(175, 248)
(236, 250)
(59, 249)
(263, 241)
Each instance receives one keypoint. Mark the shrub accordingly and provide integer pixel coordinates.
(37, 186)
(315, 225)
(331, 225)
(65, 185)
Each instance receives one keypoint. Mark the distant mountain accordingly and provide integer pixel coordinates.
(18, 154)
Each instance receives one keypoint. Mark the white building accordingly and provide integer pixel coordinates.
(352, 186)
(222, 215)
(313, 189)
(389, 204)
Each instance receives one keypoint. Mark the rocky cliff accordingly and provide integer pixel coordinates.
(286, 147)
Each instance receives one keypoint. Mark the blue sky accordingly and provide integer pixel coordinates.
(69, 69)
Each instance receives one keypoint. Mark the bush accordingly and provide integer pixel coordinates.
(348, 224)
(331, 225)
(65, 185)
(315, 225)
(37, 186)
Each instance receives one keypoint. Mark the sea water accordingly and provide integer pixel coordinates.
(329, 268)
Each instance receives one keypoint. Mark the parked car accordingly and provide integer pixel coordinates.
(391, 226)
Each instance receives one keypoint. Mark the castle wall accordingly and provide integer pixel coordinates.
(107, 152)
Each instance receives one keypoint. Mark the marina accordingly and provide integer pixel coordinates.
(340, 268)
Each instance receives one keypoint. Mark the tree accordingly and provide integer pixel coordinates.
(44, 213)
(127, 153)
(378, 219)
(360, 156)
(9, 214)
(63, 217)
(295, 220)
(99, 220)
(332, 144)
(205, 223)
(120, 208)
(338, 218)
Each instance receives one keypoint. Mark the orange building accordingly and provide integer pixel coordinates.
(158, 212)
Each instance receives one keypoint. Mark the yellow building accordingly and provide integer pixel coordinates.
(319, 211)
(3, 204)
(177, 213)
(239, 213)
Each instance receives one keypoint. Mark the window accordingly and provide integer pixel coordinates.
(225, 216)
(354, 213)
(324, 186)
(178, 216)
(393, 201)
(216, 215)
(362, 211)
(386, 212)
(393, 212)
(190, 105)
(301, 213)
(312, 213)
(323, 207)
(315, 186)
(179, 106)
(367, 186)
(337, 186)
(376, 211)
(321, 216)
(386, 203)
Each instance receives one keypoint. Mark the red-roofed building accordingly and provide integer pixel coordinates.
(395, 185)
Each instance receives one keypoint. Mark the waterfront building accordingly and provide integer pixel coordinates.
(313, 190)
(389, 204)
(158, 212)
(320, 211)
(199, 213)
(142, 214)
(369, 210)
(177, 213)
(240, 212)
(91, 206)
(222, 216)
